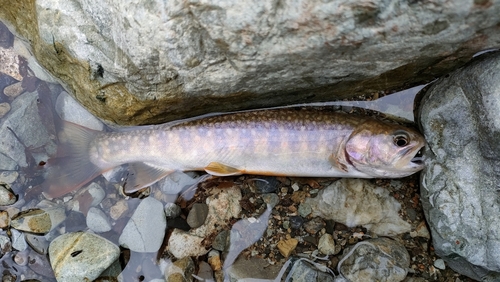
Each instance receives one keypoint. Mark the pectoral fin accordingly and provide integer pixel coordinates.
(142, 175)
(218, 169)
(337, 163)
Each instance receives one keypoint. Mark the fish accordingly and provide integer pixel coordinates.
(303, 142)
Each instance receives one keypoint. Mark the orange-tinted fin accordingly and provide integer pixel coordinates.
(218, 169)
(142, 175)
(71, 168)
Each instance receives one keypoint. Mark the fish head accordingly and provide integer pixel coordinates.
(385, 150)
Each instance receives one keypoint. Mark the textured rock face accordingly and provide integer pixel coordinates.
(460, 119)
(150, 61)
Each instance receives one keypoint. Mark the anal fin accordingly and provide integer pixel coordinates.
(218, 169)
(142, 175)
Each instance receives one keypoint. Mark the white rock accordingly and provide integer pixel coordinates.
(81, 256)
(145, 230)
(439, 263)
(18, 241)
(70, 110)
(356, 202)
(97, 220)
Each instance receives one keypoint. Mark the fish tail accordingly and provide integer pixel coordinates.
(71, 168)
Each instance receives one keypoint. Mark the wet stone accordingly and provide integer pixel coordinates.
(197, 215)
(70, 110)
(98, 221)
(38, 243)
(296, 222)
(172, 210)
(40, 264)
(7, 197)
(13, 90)
(118, 209)
(21, 258)
(180, 271)
(81, 256)
(5, 245)
(326, 245)
(38, 221)
(18, 240)
(4, 109)
(75, 222)
(460, 119)
(362, 261)
(4, 219)
(145, 230)
(314, 225)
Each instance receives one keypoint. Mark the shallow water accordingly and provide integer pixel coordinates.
(22, 85)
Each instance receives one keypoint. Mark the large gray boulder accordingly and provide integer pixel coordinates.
(460, 118)
(138, 61)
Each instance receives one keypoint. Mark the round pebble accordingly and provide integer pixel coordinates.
(197, 215)
(97, 220)
(296, 222)
(81, 256)
(38, 243)
(13, 90)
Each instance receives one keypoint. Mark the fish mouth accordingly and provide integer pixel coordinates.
(418, 158)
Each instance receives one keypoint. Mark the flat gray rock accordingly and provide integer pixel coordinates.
(81, 256)
(460, 118)
(145, 230)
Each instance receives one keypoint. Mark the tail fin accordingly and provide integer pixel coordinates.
(71, 168)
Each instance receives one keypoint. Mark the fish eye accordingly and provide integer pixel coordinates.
(401, 140)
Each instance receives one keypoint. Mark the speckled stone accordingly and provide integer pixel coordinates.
(180, 271)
